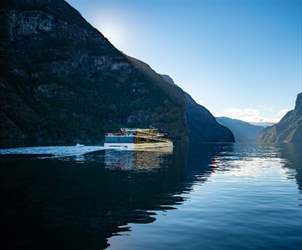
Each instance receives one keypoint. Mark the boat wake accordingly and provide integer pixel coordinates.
(68, 151)
(52, 150)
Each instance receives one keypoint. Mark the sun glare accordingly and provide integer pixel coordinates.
(113, 32)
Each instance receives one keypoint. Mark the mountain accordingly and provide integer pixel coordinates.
(168, 79)
(288, 129)
(63, 82)
(243, 131)
(202, 125)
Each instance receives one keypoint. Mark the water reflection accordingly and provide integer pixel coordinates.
(50, 203)
(80, 205)
(136, 160)
(293, 153)
(244, 195)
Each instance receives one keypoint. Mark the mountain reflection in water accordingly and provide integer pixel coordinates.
(293, 153)
(74, 203)
(136, 160)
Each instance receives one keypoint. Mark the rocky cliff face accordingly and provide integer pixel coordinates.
(62, 82)
(289, 129)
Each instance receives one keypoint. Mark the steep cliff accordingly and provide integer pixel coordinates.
(63, 82)
(289, 129)
(201, 124)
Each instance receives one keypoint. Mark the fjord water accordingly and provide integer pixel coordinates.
(232, 196)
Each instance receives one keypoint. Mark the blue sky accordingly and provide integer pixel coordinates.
(238, 58)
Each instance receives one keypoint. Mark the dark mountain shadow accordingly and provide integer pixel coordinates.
(293, 154)
(80, 203)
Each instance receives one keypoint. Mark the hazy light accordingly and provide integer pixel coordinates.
(113, 30)
(112, 33)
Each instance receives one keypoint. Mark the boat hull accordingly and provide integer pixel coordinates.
(154, 146)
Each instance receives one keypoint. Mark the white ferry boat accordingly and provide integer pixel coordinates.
(137, 139)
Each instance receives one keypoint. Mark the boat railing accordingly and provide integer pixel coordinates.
(150, 133)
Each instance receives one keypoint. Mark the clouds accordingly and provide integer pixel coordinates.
(254, 115)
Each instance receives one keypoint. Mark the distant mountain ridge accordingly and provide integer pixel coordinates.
(63, 82)
(288, 129)
(243, 131)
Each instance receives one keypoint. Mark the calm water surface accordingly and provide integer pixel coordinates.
(240, 196)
